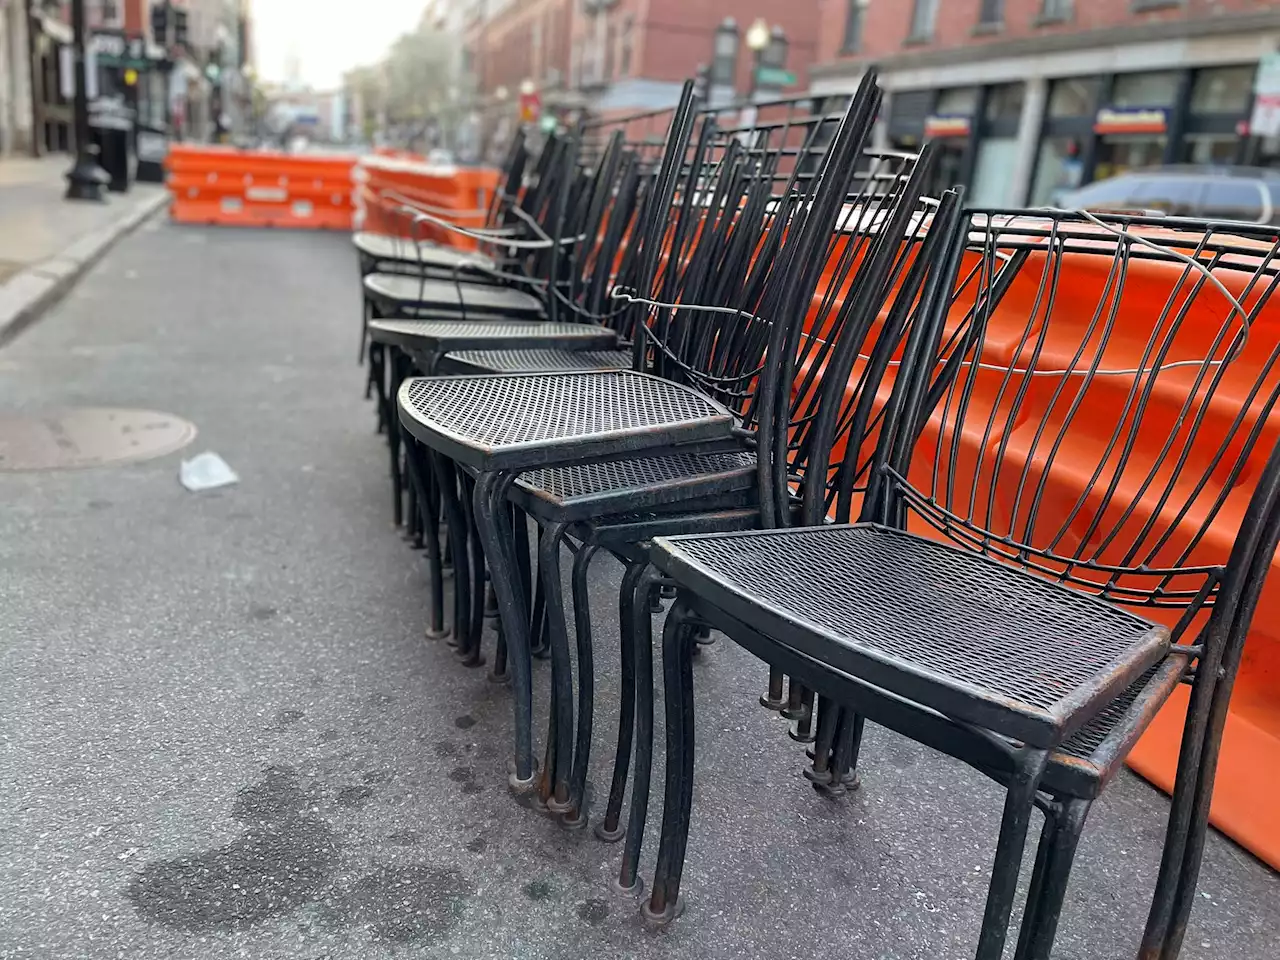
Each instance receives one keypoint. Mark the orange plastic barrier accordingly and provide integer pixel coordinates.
(258, 188)
(461, 195)
(1246, 802)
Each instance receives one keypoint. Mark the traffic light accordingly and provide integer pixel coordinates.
(160, 23)
(180, 27)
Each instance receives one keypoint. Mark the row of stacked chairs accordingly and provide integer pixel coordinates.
(844, 424)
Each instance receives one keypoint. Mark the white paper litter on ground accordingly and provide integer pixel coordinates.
(207, 471)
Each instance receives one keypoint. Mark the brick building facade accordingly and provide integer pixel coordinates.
(608, 56)
(1032, 97)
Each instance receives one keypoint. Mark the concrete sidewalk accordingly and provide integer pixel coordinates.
(47, 242)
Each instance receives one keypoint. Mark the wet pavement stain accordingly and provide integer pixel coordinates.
(539, 890)
(477, 845)
(354, 796)
(471, 788)
(260, 611)
(446, 748)
(376, 776)
(465, 722)
(404, 904)
(404, 838)
(328, 736)
(593, 911)
(462, 774)
(281, 861)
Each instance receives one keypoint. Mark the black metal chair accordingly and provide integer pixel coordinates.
(501, 426)
(963, 610)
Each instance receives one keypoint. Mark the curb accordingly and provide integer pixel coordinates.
(30, 292)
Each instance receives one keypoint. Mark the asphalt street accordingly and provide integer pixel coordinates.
(224, 734)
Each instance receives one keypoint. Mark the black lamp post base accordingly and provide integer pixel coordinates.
(86, 179)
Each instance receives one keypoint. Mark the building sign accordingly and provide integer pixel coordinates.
(938, 126)
(1265, 121)
(1131, 120)
(530, 107)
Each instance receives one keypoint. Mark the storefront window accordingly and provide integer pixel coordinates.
(1005, 102)
(992, 183)
(1074, 97)
(1210, 148)
(1119, 153)
(1146, 89)
(1058, 170)
(960, 102)
(1222, 90)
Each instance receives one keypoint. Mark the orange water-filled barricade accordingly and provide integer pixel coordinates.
(258, 188)
(386, 185)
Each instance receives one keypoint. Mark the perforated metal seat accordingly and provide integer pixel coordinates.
(530, 420)
(537, 361)
(1016, 654)
(384, 248)
(444, 336)
(397, 292)
(586, 490)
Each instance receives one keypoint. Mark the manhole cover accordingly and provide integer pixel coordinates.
(89, 437)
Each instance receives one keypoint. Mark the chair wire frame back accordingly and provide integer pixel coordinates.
(1102, 414)
(745, 249)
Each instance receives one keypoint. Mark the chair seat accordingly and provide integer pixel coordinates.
(435, 337)
(538, 361)
(519, 421)
(580, 491)
(401, 292)
(386, 248)
(947, 628)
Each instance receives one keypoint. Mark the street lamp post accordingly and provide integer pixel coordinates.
(758, 38)
(86, 179)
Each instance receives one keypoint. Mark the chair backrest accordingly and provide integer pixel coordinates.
(728, 241)
(1099, 407)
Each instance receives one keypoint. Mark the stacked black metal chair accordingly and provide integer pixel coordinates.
(962, 610)
(498, 427)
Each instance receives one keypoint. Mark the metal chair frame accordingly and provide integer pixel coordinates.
(1064, 767)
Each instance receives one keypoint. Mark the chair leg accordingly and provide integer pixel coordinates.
(1018, 803)
(774, 699)
(549, 547)
(1180, 827)
(396, 365)
(678, 642)
(467, 591)
(1198, 826)
(435, 559)
(1048, 891)
(844, 768)
(457, 526)
(492, 521)
(819, 774)
(628, 876)
(610, 829)
(420, 479)
(576, 819)
(801, 729)
(476, 583)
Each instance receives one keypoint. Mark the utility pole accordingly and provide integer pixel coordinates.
(86, 179)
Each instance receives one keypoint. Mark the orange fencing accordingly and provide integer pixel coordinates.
(461, 195)
(258, 188)
(1246, 802)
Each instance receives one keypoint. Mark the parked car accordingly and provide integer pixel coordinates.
(1247, 194)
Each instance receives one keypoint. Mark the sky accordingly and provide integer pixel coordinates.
(328, 38)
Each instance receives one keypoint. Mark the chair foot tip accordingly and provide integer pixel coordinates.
(660, 918)
(606, 835)
(431, 633)
(635, 890)
(770, 704)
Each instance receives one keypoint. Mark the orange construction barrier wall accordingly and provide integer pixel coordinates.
(259, 188)
(1246, 803)
(460, 195)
